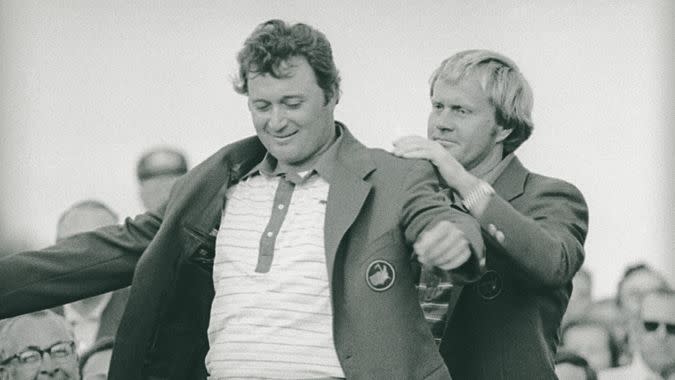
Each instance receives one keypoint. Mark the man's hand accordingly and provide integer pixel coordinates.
(419, 147)
(443, 246)
(452, 171)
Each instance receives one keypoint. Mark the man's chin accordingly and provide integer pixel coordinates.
(286, 158)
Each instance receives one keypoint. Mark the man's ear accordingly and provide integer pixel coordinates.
(502, 133)
(336, 95)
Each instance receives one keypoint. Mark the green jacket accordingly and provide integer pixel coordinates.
(377, 205)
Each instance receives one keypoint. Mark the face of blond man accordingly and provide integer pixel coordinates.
(463, 120)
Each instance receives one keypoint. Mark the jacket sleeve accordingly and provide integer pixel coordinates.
(425, 206)
(81, 266)
(544, 238)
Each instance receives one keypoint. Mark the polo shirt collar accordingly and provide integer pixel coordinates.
(324, 166)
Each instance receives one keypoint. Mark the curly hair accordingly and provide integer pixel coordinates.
(274, 42)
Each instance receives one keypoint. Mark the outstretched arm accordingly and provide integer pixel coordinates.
(78, 267)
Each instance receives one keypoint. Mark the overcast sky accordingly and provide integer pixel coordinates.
(87, 86)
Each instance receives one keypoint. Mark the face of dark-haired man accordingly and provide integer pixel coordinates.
(290, 114)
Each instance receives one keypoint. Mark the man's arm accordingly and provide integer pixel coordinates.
(545, 236)
(78, 267)
(443, 237)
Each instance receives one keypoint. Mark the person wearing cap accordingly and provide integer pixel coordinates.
(506, 325)
(290, 253)
(157, 171)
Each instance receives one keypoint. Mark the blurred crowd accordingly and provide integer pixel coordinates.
(630, 335)
(79, 336)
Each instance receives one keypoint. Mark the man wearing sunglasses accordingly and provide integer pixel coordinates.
(655, 334)
(37, 346)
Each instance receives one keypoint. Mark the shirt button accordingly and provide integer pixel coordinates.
(270, 233)
(280, 206)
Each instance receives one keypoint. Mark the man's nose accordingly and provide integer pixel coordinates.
(661, 332)
(48, 366)
(277, 119)
(443, 122)
(444, 125)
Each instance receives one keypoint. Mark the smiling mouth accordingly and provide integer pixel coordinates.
(283, 137)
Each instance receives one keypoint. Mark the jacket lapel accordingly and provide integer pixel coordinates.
(347, 194)
(206, 208)
(511, 183)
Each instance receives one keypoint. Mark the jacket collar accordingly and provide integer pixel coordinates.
(354, 156)
(347, 194)
(212, 178)
(511, 183)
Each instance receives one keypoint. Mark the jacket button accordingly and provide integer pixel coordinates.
(490, 285)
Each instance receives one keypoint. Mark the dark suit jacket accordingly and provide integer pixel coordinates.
(111, 315)
(377, 205)
(506, 325)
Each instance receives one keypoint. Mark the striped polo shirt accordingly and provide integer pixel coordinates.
(271, 316)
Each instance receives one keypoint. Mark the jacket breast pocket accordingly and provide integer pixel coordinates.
(200, 247)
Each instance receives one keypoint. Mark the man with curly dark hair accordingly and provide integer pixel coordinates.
(287, 254)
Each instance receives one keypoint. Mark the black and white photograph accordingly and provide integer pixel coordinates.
(307, 189)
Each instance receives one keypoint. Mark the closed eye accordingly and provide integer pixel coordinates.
(293, 105)
(460, 110)
(261, 106)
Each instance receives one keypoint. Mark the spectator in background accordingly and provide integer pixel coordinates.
(157, 170)
(506, 325)
(572, 366)
(592, 340)
(607, 312)
(99, 316)
(39, 345)
(654, 357)
(95, 362)
(636, 280)
(582, 296)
